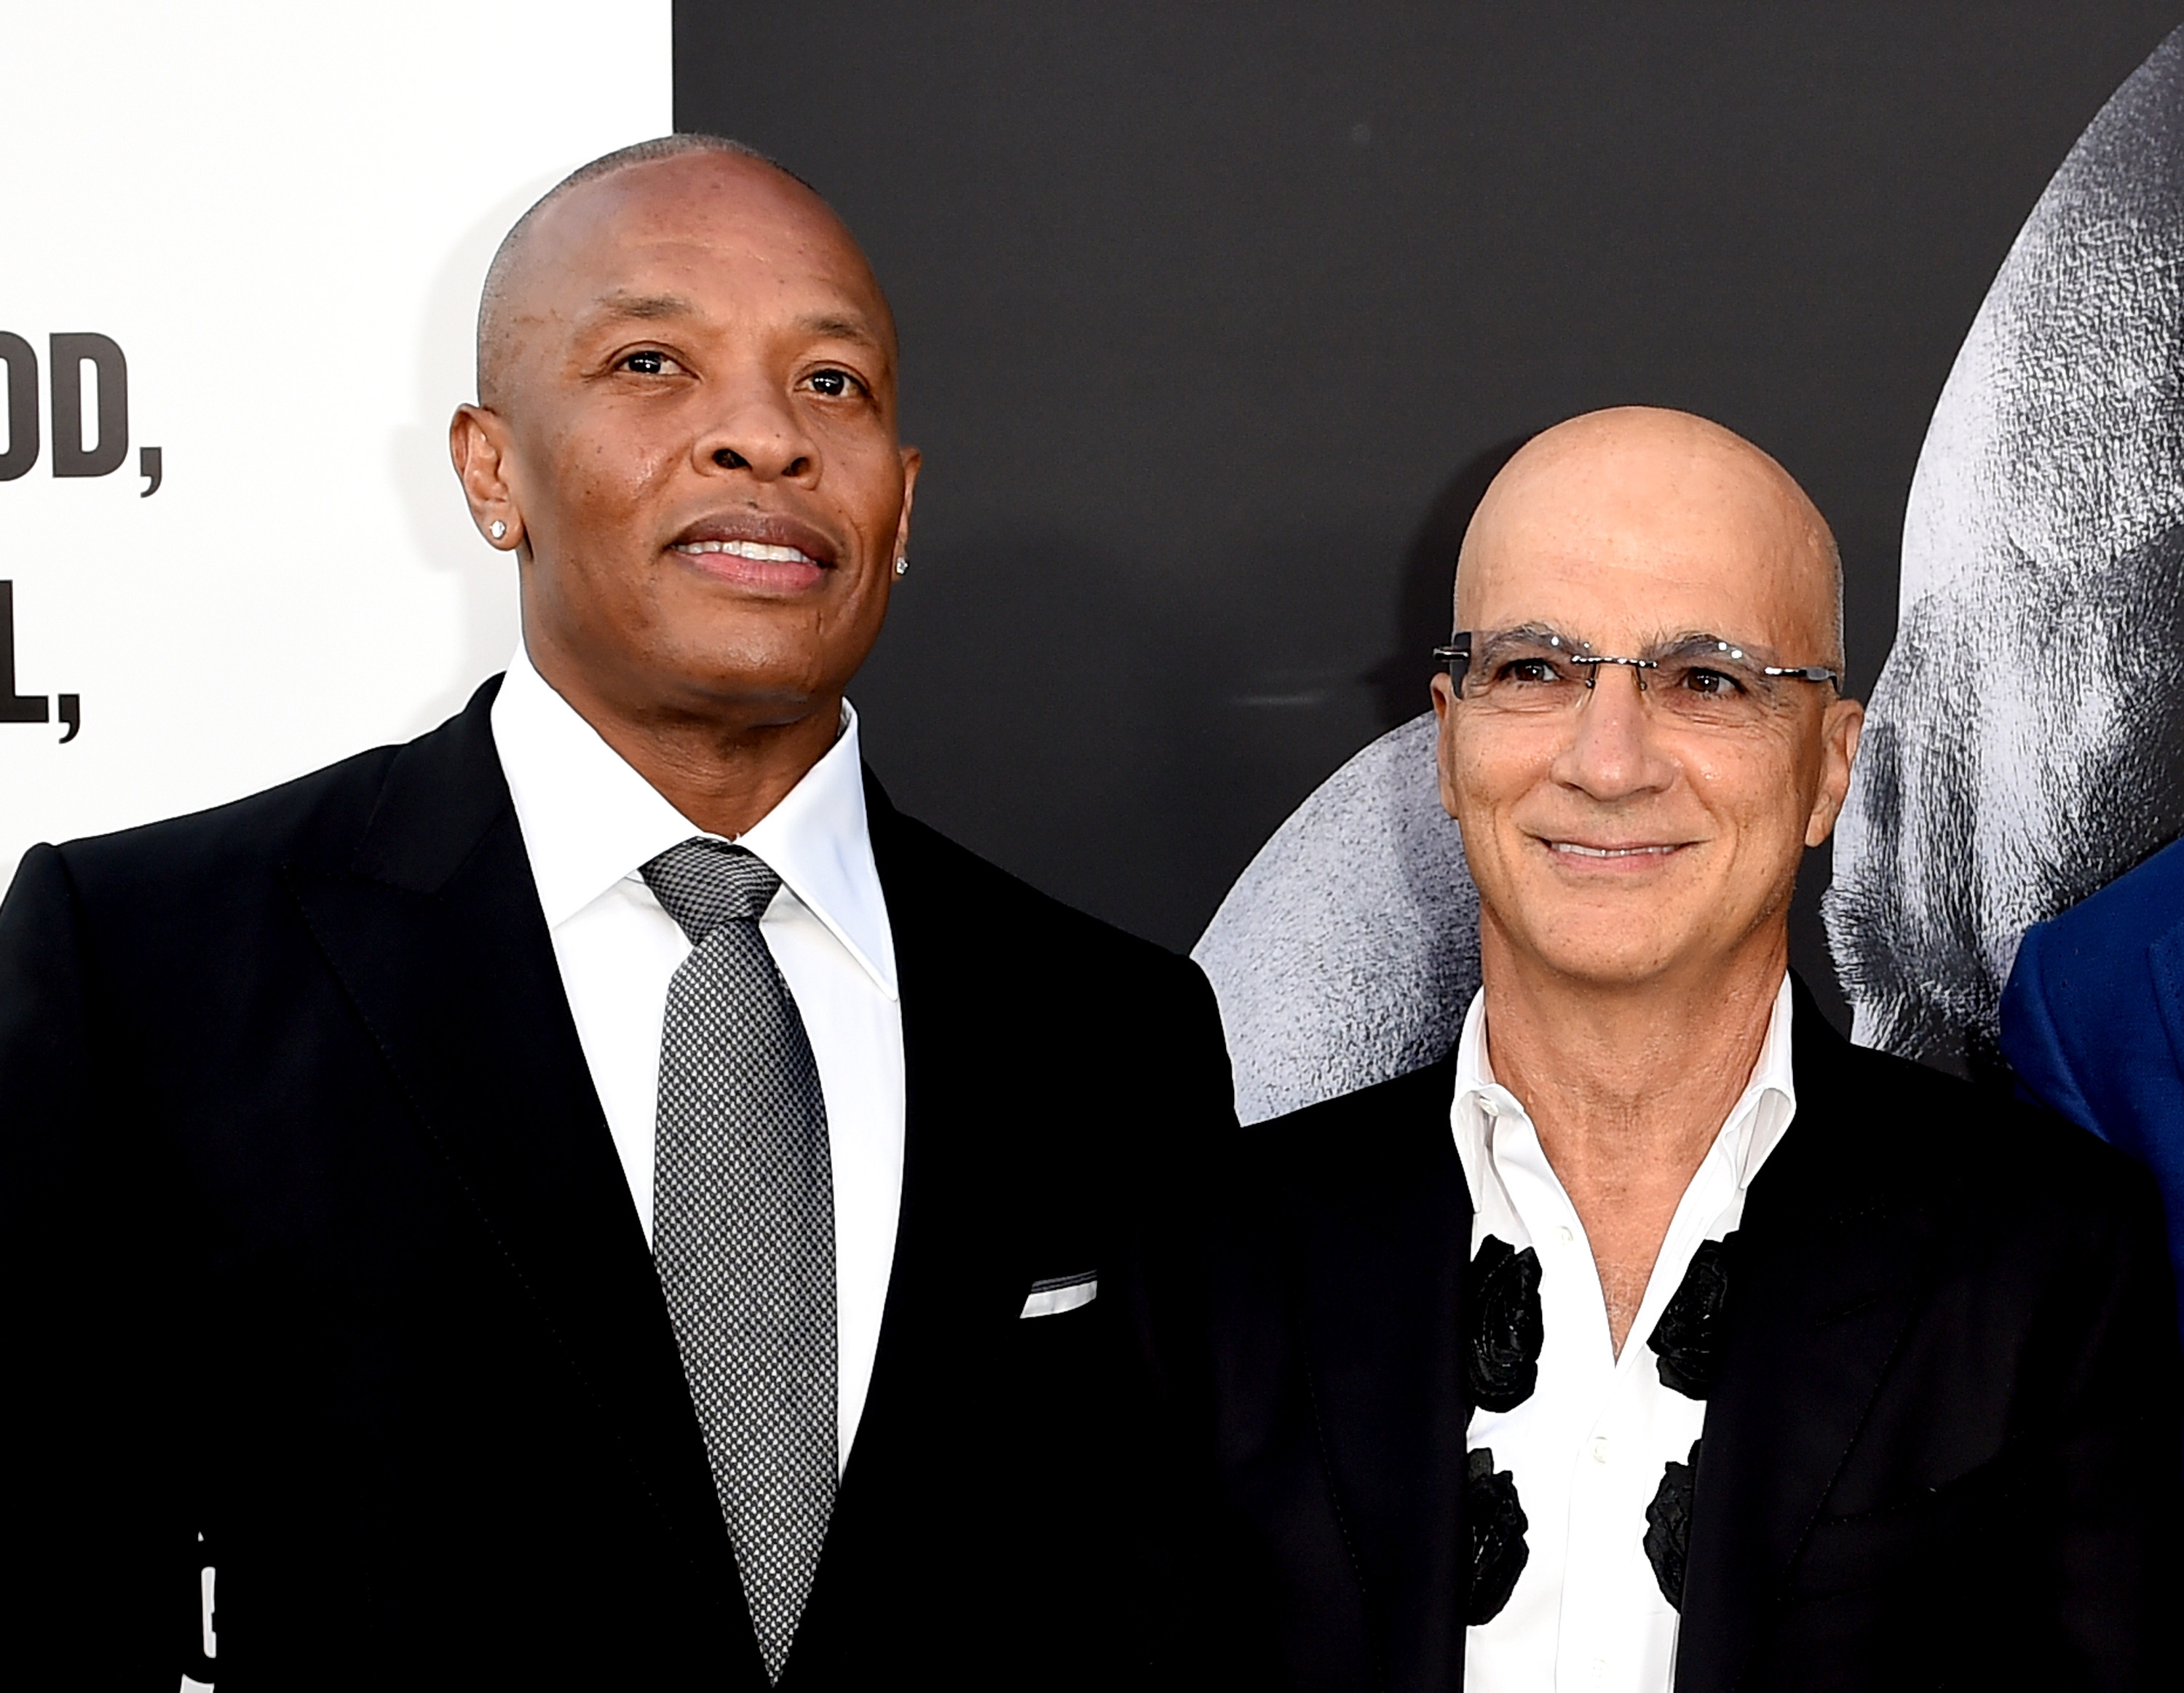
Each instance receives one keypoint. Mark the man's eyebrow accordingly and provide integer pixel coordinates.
(1682, 644)
(1697, 642)
(1535, 631)
(646, 305)
(828, 326)
(834, 326)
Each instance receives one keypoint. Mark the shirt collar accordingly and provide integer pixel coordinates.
(590, 820)
(1754, 1127)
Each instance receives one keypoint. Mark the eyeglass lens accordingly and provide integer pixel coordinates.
(1698, 679)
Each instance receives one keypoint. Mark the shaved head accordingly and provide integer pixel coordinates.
(1709, 483)
(515, 262)
(1638, 817)
(686, 436)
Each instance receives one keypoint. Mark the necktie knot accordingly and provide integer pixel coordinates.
(706, 885)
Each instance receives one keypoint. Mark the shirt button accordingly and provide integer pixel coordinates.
(1600, 1449)
(1564, 1233)
(1599, 1672)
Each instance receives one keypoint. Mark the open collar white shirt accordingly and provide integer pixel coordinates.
(1588, 1452)
(590, 823)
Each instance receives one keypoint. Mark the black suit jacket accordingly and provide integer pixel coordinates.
(316, 1246)
(1942, 1449)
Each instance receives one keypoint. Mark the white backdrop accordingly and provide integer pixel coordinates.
(281, 214)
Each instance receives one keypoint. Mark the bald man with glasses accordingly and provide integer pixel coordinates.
(1655, 1337)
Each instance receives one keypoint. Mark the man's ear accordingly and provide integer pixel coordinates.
(911, 459)
(478, 444)
(1839, 732)
(1444, 704)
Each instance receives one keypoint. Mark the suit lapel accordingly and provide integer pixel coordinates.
(948, 1288)
(434, 930)
(1834, 1261)
(2164, 957)
(1383, 1264)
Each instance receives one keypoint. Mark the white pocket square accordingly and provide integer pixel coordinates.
(1058, 1293)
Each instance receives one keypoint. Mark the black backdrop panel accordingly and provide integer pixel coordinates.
(1215, 317)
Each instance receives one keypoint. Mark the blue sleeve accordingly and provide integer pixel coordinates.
(2032, 1041)
(2083, 1028)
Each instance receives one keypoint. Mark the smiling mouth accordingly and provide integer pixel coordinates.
(759, 551)
(1580, 851)
(770, 554)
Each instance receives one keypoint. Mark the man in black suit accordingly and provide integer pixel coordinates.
(1656, 1336)
(595, 1197)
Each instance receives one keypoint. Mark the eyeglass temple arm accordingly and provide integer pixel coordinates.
(1803, 673)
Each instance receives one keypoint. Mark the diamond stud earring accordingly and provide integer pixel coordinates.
(497, 530)
(902, 565)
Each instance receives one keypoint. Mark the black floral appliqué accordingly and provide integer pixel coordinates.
(1497, 1524)
(1669, 1525)
(1687, 1339)
(1501, 1361)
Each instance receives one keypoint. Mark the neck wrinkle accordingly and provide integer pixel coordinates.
(1644, 1074)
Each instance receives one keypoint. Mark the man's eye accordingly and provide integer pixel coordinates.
(834, 384)
(1714, 683)
(646, 364)
(1529, 670)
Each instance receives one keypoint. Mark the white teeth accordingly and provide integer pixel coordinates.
(750, 549)
(1608, 852)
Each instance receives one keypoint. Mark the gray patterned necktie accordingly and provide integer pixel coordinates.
(742, 1230)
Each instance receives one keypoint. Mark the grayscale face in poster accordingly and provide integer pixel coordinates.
(2023, 749)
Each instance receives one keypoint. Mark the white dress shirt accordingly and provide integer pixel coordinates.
(1587, 1449)
(590, 822)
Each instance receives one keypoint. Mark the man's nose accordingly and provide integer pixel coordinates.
(1611, 753)
(754, 428)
